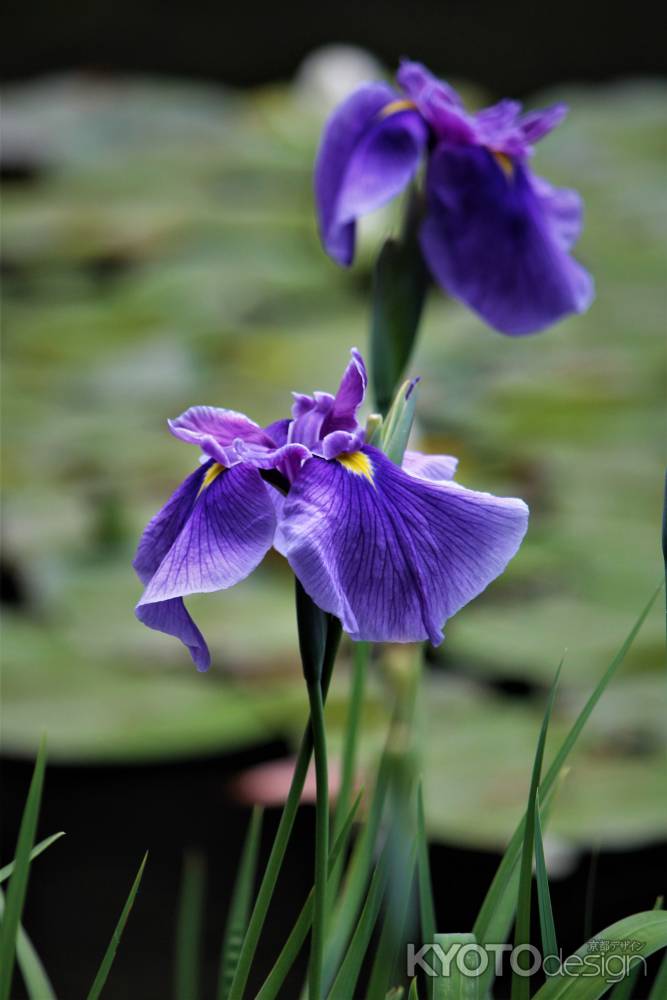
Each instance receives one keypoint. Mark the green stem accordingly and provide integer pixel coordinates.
(321, 840)
(277, 854)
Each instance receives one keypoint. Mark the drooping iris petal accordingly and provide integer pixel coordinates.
(393, 556)
(431, 467)
(490, 241)
(214, 430)
(367, 156)
(227, 533)
(173, 618)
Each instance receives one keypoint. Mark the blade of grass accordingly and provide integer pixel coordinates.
(274, 863)
(509, 861)
(453, 983)
(659, 988)
(315, 970)
(356, 880)
(295, 941)
(189, 928)
(110, 953)
(520, 983)
(36, 851)
(426, 905)
(239, 909)
(18, 883)
(414, 993)
(349, 757)
(37, 983)
(344, 985)
(393, 927)
(547, 926)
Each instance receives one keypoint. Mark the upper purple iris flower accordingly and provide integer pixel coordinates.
(393, 552)
(493, 235)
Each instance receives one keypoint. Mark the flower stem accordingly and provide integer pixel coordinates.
(321, 840)
(277, 854)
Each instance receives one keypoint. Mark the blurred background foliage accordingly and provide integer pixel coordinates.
(160, 251)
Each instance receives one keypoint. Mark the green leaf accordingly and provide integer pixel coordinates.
(37, 983)
(647, 931)
(345, 983)
(521, 984)
(110, 953)
(295, 941)
(344, 917)
(6, 871)
(625, 988)
(488, 926)
(396, 428)
(189, 928)
(239, 909)
(414, 992)
(400, 283)
(393, 927)
(426, 905)
(452, 983)
(547, 926)
(659, 988)
(18, 883)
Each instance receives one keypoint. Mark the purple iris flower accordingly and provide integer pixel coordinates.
(493, 235)
(392, 552)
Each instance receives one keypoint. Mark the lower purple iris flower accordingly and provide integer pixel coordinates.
(393, 552)
(494, 235)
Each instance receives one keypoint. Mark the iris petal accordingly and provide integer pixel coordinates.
(496, 242)
(364, 160)
(201, 544)
(432, 467)
(392, 555)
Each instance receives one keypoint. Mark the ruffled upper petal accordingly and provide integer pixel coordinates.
(369, 151)
(494, 240)
(215, 430)
(392, 555)
(350, 396)
(432, 467)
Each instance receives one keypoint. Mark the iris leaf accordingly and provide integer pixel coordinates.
(189, 929)
(648, 932)
(18, 883)
(239, 909)
(37, 983)
(547, 926)
(486, 925)
(521, 983)
(110, 953)
(7, 870)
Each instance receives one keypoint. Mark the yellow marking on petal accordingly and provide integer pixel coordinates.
(505, 164)
(211, 475)
(394, 107)
(358, 464)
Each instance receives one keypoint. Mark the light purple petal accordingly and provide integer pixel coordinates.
(564, 209)
(214, 430)
(394, 557)
(226, 536)
(309, 414)
(432, 467)
(365, 159)
(173, 618)
(490, 241)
